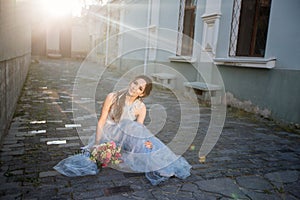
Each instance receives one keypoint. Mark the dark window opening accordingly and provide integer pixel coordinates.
(188, 27)
(253, 27)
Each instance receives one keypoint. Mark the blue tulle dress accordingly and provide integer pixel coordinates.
(158, 163)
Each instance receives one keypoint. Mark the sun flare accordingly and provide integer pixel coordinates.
(60, 8)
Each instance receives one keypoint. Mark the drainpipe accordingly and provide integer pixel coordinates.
(107, 33)
(148, 34)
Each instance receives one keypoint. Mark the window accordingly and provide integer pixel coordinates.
(186, 25)
(249, 27)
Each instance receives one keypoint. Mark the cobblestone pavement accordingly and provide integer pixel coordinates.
(253, 159)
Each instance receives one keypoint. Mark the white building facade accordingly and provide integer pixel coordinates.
(253, 45)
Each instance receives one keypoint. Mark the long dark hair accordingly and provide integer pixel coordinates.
(117, 106)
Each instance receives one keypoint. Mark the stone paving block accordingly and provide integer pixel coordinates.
(9, 147)
(190, 187)
(162, 194)
(54, 121)
(267, 195)
(206, 196)
(221, 159)
(11, 186)
(16, 172)
(115, 197)
(57, 138)
(88, 194)
(10, 141)
(111, 177)
(289, 157)
(12, 196)
(13, 153)
(142, 195)
(293, 189)
(48, 173)
(63, 128)
(69, 145)
(56, 142)
(254, 182)
(21, 134)
(35, 132)
(65, 191)
(38, 122)
(5, 159)
(72, 125)
(223, 186)
(287, 176)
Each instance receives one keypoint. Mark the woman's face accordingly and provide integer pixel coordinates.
(137, 88)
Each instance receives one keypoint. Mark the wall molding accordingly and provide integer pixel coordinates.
(264, 63)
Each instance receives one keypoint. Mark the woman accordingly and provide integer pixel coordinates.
(121, 121)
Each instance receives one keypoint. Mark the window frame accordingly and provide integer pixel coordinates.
(238, 30)
(183, 39)
(244, 61)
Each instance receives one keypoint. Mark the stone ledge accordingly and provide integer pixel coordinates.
(247, 62)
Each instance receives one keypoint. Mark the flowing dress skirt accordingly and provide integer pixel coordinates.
(158, 163)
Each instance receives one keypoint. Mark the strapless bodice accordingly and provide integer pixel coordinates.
(128, 112)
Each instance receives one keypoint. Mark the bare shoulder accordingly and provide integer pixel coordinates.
(111, 95)
(110, 98)
(140, 105)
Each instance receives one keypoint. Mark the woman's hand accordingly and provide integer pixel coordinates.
(148, 144)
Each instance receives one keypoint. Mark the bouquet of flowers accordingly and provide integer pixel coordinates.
(105, 154)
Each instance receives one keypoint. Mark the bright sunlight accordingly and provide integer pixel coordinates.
(60, 8)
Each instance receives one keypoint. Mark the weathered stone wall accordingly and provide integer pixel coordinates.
(13, 73)
(15, 56)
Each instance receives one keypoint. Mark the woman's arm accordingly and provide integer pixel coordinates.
(141, 113)
(103, 117)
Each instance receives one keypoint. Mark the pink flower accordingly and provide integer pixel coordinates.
(118, 155)
(113, 144)
(108, 155)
